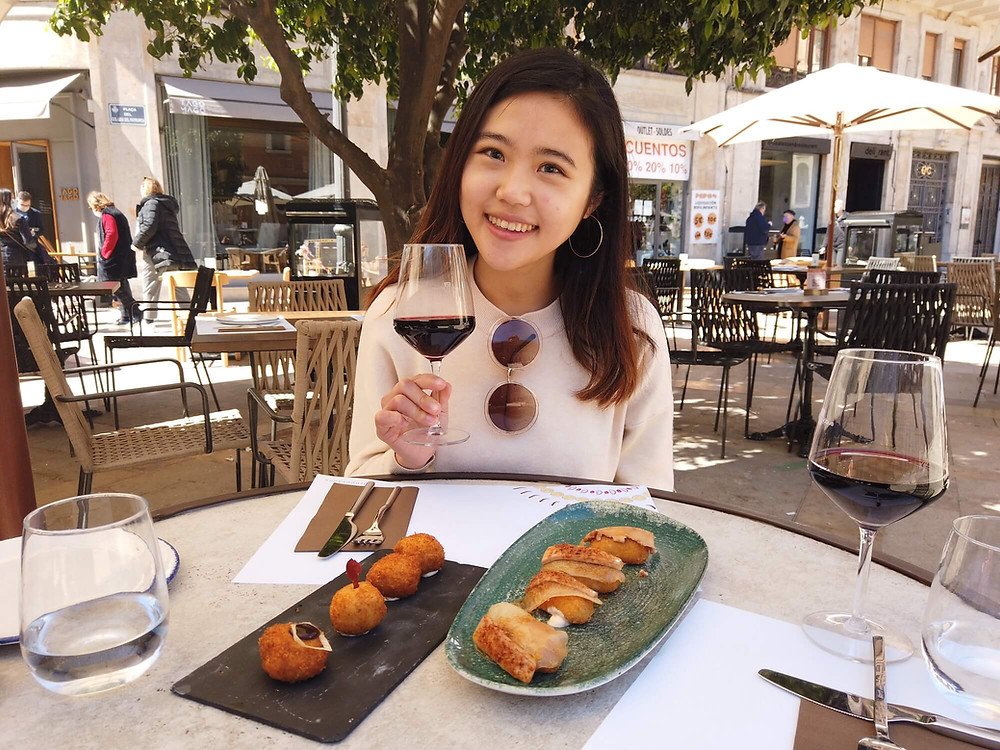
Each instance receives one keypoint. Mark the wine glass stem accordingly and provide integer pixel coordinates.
(857, 621)
(436, 428)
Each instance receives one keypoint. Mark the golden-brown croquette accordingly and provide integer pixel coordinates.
(425, 548)
(284, 659)
(395, 575)
(355, 611)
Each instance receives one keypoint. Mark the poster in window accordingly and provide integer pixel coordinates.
(705, 217)
(802, 180)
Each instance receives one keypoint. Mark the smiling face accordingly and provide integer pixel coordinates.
(527, 184)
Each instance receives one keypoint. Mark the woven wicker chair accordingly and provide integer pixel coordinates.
(272, 372)
(325, 366)
(879, 264)
(974, 298)
(914, 262)
(132, 446)
(992, 345)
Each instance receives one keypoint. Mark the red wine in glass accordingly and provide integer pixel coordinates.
(435, 337)
(434, 314)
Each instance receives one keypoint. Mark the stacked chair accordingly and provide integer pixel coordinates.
(667, 280)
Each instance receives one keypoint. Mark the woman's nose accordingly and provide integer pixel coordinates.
(514, 188)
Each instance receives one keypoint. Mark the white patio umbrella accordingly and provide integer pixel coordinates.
(848, 98)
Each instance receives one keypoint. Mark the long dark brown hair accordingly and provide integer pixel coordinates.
(593, 296)
(8, 217)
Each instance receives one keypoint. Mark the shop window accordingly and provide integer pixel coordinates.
(656, 220)
(797, 57)
(957, 62)
(995, 77)
(930, 56)
(877, 46)
(278, 143)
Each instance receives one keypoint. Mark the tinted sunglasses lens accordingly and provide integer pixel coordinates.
(515, 343)
(511, 407)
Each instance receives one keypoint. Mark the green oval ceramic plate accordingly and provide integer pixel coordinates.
(625, 628)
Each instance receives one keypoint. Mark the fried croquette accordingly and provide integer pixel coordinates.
(629, 543)
(577, 611)
(396, 575)
(594, 568)
(355, 611)
(551, 589)
(425, 548)
(286, 660)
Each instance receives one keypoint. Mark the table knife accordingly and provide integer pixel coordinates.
(863, 708)
(346, 529)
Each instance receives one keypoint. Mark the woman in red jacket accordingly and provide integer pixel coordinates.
(116, 259)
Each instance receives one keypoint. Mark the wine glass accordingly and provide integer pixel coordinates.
(880, 452)
(434, 314)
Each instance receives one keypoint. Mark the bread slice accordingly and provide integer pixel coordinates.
(552, 583)
(518, 643)
(600, 578)
(579, 553)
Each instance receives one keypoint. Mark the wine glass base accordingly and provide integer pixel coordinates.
(426, 437)
(839, 633)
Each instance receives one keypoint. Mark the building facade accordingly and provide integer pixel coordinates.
(103, 114)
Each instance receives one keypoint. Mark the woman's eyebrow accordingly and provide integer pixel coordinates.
(541, 150)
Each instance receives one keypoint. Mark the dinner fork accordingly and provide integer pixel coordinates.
(881, 741)
(374, 535)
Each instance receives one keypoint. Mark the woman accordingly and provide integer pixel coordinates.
(789, 236)
(158, 235)
(541, 205)
(115, 260)
(16, 241)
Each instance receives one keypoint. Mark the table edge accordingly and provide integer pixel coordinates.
(896, 564)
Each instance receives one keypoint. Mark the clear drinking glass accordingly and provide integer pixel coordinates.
(434, 314)
(880, 453)
(961, 629)
(93, 595)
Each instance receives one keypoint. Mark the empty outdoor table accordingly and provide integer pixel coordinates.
(800, 429)
(84, 288)
(237, 340)
(753, 566)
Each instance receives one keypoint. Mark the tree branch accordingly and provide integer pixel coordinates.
(443, 100)
(263, 19)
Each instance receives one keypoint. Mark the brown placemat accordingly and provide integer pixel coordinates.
(821, 728)
(339, 500)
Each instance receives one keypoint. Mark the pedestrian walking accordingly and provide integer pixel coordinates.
(158, 237)
(115, 258)
(756, 232)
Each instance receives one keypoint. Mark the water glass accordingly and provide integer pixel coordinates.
(961, 628)
(93, 595)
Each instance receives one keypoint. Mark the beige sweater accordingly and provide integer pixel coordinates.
(631, 443)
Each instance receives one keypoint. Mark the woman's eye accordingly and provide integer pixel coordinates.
(552, 169)
(492, 153)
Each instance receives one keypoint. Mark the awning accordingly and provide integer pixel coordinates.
(26, 96)
(194, 96)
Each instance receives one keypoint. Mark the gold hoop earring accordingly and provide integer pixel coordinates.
(599, 242)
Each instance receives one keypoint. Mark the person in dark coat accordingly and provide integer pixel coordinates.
(158, 237)
(756, 232)
(17, 244)
(115, 259)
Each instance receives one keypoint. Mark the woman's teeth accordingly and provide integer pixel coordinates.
(510, 226)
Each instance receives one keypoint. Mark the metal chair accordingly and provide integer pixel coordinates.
(133, 446)
(200, 296)
(325, 368)
(667, 279)
(904, 277)
(273, 372)
(879, 264)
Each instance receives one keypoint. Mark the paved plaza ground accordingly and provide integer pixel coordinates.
(757, 476)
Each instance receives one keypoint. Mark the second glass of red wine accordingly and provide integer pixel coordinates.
(880, 453)
(434, 314)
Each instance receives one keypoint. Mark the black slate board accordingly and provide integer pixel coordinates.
(361, 671)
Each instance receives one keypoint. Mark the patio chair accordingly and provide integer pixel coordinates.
(907, 317)
(992, 344)
(974, 298)
(133, 446)
(199, 303)
(273, 372)
(325, 368)
(904, 277)
(914, 262)
(879, 264)
(711, 316)
(667, 279)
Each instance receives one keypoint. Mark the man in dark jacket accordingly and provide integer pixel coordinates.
(756, 233)
(158, 236)
(115, 258)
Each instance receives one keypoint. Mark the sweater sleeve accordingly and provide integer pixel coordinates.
(647, 455)
(110, 235)
(376, 375)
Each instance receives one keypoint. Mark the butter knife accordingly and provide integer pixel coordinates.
(863, 708)
(346, 529)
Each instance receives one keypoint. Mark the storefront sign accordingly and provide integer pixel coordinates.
(801, 145)
(882, 151)
(705, 217)
(69, 194)
(127, 114)
(656, 152)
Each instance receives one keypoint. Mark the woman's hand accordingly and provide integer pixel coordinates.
(406, 407)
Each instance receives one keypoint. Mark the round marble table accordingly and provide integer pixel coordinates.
(752, 565)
